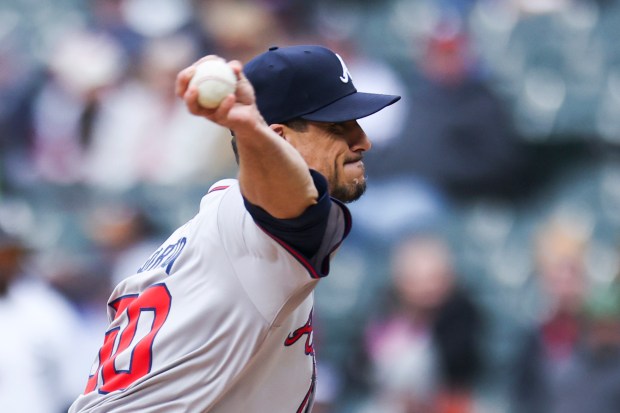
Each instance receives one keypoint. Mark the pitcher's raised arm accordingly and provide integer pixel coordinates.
(272, 173)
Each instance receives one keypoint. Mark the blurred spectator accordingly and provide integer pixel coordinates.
(460, 136)
(81, 67)
(155, 18)
(425, 352)
(107, 16)
(18, 80)
(144, 134)
(125, 237)
(551, 347)
(240, 29)
(41, 368)
(591, 382)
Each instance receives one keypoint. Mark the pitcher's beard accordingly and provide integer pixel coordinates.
(349, 192)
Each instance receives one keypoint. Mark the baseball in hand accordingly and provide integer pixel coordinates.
(215, 80)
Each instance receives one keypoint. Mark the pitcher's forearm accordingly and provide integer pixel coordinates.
(272, 174)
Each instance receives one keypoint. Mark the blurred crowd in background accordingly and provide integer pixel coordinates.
(481, 275)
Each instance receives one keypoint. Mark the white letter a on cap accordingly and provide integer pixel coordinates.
(345, 72)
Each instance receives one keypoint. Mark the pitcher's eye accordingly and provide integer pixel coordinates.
(336, 128)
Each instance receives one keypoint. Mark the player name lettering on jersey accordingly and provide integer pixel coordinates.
(165, 257)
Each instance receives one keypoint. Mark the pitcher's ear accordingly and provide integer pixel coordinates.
(279, 129)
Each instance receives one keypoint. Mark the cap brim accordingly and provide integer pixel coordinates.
(354, 106)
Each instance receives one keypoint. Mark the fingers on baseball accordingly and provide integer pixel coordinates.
(191, 101)
(216, 114)
(237, 67)
(221, 112)
(190, 93)
(183, 79)
(225, 106)
(185, 75)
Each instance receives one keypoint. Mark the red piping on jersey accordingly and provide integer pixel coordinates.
(218, 188)
(296, 254)
(302, 259)
(305, 404)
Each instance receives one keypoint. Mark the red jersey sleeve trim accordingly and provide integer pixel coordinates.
(217, 188)
(302, 259)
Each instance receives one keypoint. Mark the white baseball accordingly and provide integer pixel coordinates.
(215, 80)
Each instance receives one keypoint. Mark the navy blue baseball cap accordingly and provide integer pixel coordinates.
(308, 82)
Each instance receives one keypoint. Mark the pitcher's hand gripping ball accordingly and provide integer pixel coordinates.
(214, 80)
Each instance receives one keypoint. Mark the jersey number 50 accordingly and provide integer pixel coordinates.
(126, 354)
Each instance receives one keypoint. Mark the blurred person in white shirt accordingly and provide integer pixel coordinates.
(40, 362)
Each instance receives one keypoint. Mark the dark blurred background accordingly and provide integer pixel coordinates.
(481, 275)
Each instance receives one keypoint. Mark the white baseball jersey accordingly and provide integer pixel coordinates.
(219, 319)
